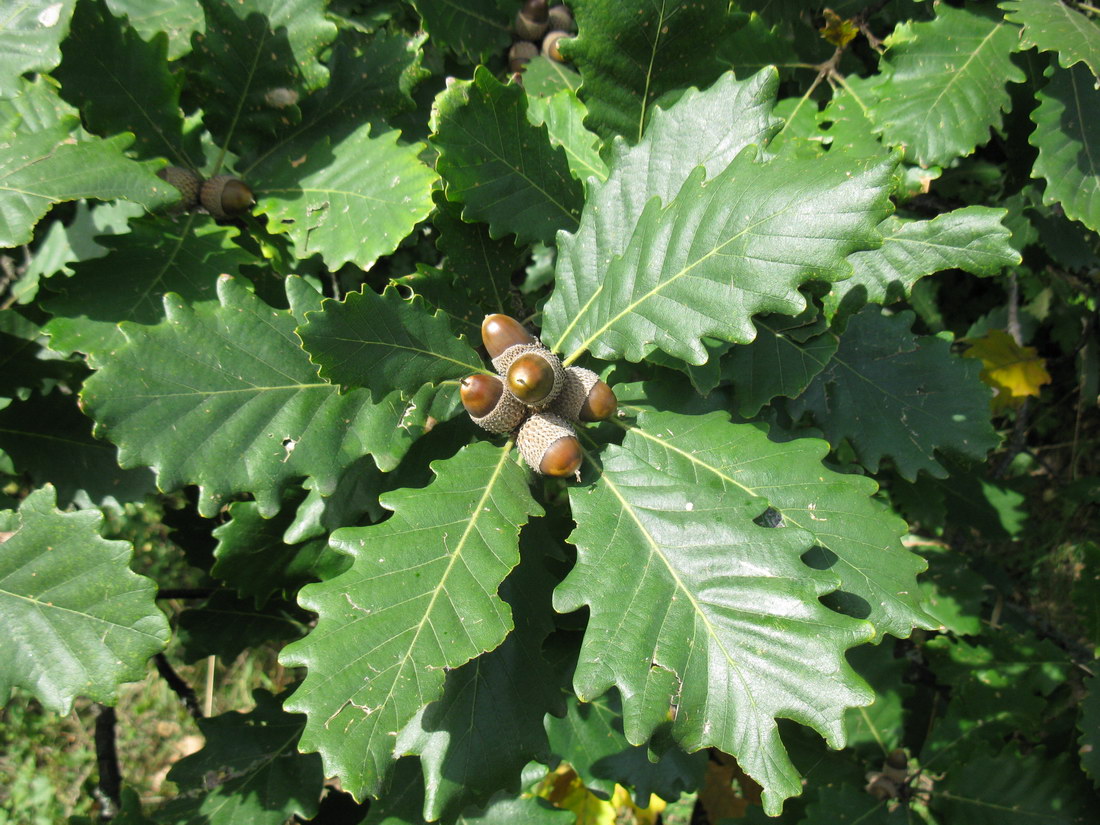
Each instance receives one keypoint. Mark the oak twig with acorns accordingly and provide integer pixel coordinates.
(534, 394)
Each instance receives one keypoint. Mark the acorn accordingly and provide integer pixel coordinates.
(560, 19)
(532, 20)
(184, 180)
(584, 397)
(225, 196)
(489, 405)
(550, 45)
(532, 373)
(499, 332)
(521, 53)
(549, 446)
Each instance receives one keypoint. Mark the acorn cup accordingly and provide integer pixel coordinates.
(584, 397)
(521, 53)
(549, 446)
(225, 196)
(550, 45)
(560, 19)
(184, 180)
(490, 406)
(532, 20)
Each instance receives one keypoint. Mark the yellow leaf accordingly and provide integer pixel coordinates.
(838, 31)
(1015, 372)
(564, 789)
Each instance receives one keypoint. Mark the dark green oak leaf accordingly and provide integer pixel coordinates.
(222, 395)
(472, 29)
(630, 54)
(79, 621)
(384, 342)
(249, 770)
(419, 599)
(476, 739)
(893, 393)
(129, 283)
(704, 128)
(724, 250)
(1067, 135)
(1059, 28)
(50, 166)
(30, 39)
(738, 636)
(972, 239)
(121, 83)
(501, 167)
(943, 84)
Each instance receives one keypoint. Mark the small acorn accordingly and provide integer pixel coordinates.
(499, 332)
(561, 19)
(549, 446)
(532, 20)
(521, 53)
(225, 196)
(489, 405)
(550, 45)
(184, 180)
(584, 397)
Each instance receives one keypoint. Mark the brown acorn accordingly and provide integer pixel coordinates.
(184, 180)
(550, 45)
(561, 19)
(480, 393)
(531, 378)
(225, 196)
(549, 446)
(489, 405)
(532, 20)
(499, 332)
(584, 397)
(521, 53)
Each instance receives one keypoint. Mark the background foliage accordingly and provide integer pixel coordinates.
(836, 557)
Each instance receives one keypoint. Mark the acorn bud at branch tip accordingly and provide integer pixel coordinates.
(498, 332)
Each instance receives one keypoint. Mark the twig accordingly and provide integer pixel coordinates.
(178, 685)
(208, 704)
(185, 592)
(107, 791)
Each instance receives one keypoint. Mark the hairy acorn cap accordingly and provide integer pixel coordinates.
(550, 45)
(184, 180)
(521, 53)
(561, 19)
(225, 196)
(584, 397)
(503, 364)
(549, 446)
(490, 405)
(532, 20)
(498, 332)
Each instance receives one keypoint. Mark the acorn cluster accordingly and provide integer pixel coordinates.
(535, 397)
(223, 196)
(539, 27)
